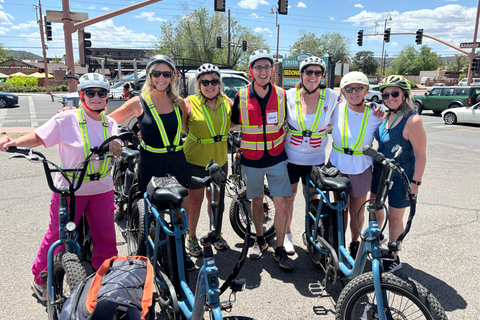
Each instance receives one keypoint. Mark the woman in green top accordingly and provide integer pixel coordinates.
(209, 113)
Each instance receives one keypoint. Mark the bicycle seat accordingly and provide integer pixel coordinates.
(165, 192)
(130, 154)
(327, 179)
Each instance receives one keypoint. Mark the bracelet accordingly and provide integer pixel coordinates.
(418, 183)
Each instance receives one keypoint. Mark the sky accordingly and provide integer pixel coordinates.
(452, 21)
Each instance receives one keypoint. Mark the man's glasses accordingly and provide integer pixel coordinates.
(394, 94)
(260, 68)
(157, 74)
(205, 83)
(91, 93)
(350, 89)
(309, 72)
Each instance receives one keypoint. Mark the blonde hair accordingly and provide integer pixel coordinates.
(198, 88)
(172, 90)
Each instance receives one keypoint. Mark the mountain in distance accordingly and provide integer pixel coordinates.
(23, 55)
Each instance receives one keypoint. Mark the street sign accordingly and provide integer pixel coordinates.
(57, 16)
(470, 45)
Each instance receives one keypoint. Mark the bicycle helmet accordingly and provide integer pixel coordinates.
(312, 61)
(161, 58)
(353, 77)
(93, 80)
(259, 54)
(395, 81)
(207, 68)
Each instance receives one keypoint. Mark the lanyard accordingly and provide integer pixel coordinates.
(384, 131)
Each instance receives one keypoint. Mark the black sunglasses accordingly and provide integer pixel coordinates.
(394, 94)
(205, 83)
(157, 74)
(350, 89)
(91, 93)
(309, 72)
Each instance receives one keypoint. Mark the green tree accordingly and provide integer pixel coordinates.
(459, 63)
(193, 35)
(365, 62)
(333, 44)
(411, 61)
(3, 52)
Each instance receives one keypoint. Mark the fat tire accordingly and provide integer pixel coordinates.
(136, 235)
(403, 293)
(117, 190)
(67, 269)
(237, 217)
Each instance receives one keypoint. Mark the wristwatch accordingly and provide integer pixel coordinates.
(418, 183)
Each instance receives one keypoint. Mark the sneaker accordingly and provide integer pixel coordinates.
(193, 247)
(189, 264)
(221, 244)
(256, 252)
(282, 258)
(390, 264)
(39, 290)
(354, 248)
(288, 244)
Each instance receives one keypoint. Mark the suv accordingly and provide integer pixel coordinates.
(463, 82)
(442, 98)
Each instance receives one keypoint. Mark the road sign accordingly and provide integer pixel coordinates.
(57, 16)
(470, 45)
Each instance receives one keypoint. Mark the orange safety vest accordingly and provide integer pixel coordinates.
(253, 144)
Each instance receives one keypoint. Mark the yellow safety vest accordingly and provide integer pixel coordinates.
(345, 148)
(303, 132)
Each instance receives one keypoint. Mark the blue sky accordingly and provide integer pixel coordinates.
(450, 20)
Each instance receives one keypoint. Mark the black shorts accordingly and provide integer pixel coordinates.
(295, 171)
(198, 171)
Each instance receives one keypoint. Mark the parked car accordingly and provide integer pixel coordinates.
(8, 99)
(463, 82)
(435, 85)
(423, 81)
(442, 98)
(463, 114)
(374, 94)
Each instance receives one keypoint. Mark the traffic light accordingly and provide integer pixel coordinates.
(41, 70)
(219, 5)
(244, 46)
(419, 36)
(475, 65)
(87, 44)
(84, 46)
(386, 36)
(219, 42)
(48, 30)
(282, 6)
(360, 38)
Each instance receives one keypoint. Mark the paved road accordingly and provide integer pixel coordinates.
(440, 251)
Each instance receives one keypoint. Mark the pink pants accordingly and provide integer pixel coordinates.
(99, 210)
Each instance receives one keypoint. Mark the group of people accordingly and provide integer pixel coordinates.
(284, 134)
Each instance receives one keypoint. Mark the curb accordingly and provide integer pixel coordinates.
(16, 130)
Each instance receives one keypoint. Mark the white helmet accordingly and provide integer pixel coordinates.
(259, 54)
(93, 80)
(312, 61)
(353, 77)
(159, 58)
(207, 68)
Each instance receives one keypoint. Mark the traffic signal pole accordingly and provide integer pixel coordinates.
(472, 53)
(44, 49)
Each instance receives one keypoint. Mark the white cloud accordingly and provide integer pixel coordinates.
(254, 16)
(251, 4)
(332, 18)
(25, 26)
(92, 7)
(105, 9)
(258, 30)
(358, 5)
(301, 5)
(149, 16)
(5, 18)
(394, 44)
(3, 31)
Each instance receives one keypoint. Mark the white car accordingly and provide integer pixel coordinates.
(462, 114)
(374, 94)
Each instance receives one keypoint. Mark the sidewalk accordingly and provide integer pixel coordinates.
(15, 130)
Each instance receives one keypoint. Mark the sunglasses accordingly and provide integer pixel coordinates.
(394, 94)
(350, 89)
(205, 83)
(157, 74)
(91, 93)
(309, 72)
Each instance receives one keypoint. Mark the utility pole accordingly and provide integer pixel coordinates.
(472, 54)
(229, 49)
(44, 50)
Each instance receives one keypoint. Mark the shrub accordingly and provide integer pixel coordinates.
(23, 81)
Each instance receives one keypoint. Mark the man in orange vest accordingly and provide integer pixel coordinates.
(260, 110)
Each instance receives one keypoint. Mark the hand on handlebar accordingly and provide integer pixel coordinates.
(115, 148)
(6, 142)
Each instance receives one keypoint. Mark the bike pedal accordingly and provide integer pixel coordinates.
(316, 288)
(226, 306)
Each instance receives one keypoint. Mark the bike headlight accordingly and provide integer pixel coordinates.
(70, 226)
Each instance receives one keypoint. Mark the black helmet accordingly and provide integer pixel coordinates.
(159, 58)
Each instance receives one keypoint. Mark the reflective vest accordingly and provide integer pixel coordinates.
(175, 146)
(253, 143)
(353, 150)
(105, 168)
(222, 133)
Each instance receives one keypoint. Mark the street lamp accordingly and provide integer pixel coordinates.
(382, 68)
(272, 11)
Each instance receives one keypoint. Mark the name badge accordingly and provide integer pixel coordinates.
(272, 117)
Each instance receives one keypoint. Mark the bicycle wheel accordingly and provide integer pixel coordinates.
(68, 272)
(136, 235)
(405, 299)
(239, 222)
(118, 177)
(324, 230)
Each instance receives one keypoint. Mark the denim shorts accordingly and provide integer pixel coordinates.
(198, 171)
(277, 177)
(397, 196)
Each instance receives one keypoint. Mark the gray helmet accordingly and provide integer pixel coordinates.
(93, 80)
(259, 54)
(207, 68)
(159, 58)
(312, 61)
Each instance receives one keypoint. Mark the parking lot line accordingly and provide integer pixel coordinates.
(458, 129)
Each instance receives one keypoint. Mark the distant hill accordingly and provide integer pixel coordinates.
(23, 55)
